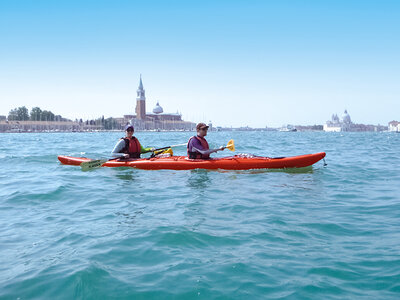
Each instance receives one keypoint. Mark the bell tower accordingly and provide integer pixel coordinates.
(140, 102)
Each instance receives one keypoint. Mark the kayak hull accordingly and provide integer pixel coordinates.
(225, 163)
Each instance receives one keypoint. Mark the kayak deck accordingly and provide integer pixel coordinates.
(236, 162)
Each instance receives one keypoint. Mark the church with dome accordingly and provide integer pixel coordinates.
(337, 124)
(157, 119)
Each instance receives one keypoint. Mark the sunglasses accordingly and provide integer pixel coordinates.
(204, 128)
(129, 129)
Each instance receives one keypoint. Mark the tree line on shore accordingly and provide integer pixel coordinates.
(37, 114)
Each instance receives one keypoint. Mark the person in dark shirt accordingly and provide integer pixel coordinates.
(197, 145)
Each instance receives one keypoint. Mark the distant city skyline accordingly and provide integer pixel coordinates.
(235, 63)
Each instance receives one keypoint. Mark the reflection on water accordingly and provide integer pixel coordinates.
(198, 179)
(127, 174)
(304, 170)
(129, 218)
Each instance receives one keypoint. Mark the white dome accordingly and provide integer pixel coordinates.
(157, 109)
(346, 117)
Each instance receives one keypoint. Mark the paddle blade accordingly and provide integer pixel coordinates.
(164, 151)
(92, 164)
(231, 145)
(168, 151)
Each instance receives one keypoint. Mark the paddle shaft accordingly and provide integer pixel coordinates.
(169, 147)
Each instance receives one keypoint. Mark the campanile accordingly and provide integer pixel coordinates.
(140, 102)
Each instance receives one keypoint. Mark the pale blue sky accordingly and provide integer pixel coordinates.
(256, 63)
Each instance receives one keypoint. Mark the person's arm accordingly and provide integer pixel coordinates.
(207, 152)
(118, 148)
(197, 147)
(145, 150)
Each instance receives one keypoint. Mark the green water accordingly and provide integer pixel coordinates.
(328, 232)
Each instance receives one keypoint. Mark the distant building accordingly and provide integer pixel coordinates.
(157, 119)
(345, 124)
(337, 125)
(394, 126)
(142, 120)
(40, 126)
(309, 127)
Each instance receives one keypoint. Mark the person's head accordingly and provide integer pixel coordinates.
(202, 129)
(129, 130)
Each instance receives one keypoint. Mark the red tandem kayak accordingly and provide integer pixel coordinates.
(237, 162)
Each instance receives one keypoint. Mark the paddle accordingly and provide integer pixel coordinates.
(159, 150)
(169, 147)
(97, 163)
(231, 145)
(94, 164)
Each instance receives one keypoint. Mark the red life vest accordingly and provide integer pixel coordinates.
(132, 147)
(204, 144)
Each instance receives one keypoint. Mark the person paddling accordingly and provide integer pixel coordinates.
(129, 146)
(197, 145)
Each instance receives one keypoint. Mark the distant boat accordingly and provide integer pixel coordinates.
(288, 128)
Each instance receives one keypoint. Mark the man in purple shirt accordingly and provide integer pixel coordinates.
(197, 145)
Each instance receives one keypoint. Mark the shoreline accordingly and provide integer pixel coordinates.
(160, 131)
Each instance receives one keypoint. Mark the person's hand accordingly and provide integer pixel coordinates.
(152, 149)
(126, 155)
(222, 148)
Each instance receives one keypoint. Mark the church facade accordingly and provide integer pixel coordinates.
(157, 119)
